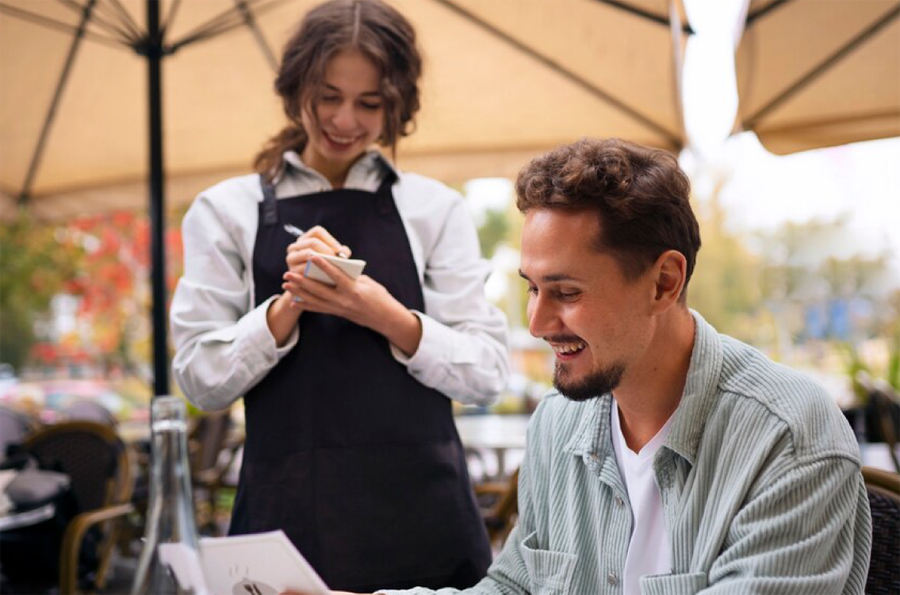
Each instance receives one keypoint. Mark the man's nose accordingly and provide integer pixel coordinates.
(542, 319)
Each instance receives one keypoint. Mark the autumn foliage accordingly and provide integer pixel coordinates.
(103, 261)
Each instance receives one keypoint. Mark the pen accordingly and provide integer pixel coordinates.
(297, 232)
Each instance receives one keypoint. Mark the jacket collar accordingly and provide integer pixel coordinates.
(592, 437)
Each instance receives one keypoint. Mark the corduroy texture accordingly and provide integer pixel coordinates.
(759, 477)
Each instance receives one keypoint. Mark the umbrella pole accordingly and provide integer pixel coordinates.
(157, 204)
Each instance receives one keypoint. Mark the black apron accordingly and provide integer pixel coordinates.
(355, 460)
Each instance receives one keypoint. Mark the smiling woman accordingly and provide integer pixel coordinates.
(347, 386)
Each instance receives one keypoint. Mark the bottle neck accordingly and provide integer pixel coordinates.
(171, 503)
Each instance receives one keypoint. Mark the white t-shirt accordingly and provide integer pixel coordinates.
(649, 551)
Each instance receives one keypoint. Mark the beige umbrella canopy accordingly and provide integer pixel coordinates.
(814, 73)
(504, 80)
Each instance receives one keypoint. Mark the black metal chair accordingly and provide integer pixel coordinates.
(883, 488)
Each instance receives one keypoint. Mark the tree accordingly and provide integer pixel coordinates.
(39, 261)
(725, 285)
(104, 262)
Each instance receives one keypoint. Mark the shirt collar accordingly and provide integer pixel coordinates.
(369, 169)
(593, 437)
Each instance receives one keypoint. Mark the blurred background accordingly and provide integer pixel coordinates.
(784, 113)
(801, 254)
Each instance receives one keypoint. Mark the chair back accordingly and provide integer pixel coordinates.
(207, 440)
(14, 427)
(92, 455)
(883, 488)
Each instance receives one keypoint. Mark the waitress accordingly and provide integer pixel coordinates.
(351, 448)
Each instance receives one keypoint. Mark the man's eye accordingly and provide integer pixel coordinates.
(568, 295)
(532, 290)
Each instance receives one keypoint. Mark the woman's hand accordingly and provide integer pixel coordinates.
(283, 312)
(363, 301)
(316, 240)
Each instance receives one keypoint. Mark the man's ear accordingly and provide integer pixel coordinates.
(669, 272)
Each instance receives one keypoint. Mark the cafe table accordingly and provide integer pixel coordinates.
(17, 520)
(501, 435)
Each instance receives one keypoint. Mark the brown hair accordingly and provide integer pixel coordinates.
(639, 193)
(373, 28)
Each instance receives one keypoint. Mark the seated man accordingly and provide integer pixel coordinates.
(670, 458)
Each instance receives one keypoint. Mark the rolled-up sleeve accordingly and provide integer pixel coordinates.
(463, 351)
(223, 345)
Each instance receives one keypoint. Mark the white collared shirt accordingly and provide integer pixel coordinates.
(223, 344)
(649, 552)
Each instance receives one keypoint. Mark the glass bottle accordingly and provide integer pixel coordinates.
(170, 510)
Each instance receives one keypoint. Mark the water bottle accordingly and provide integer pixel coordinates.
(170, 511)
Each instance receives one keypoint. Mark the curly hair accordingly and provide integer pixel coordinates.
(372, 27)
(640, 194)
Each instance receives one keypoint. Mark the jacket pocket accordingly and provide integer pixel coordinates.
(674, 584)
(550, 572)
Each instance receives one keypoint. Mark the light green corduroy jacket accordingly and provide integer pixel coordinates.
(759, 477)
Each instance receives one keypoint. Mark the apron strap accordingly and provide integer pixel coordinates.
(385, 198)
(269, 206)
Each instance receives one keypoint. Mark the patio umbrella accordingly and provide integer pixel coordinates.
(93, 90)
(815, 74)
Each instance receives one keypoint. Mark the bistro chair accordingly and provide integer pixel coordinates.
(883, 488)
(97, 463)
(213, 450)
(500, 507)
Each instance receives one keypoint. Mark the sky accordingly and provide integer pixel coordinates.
(860, 182)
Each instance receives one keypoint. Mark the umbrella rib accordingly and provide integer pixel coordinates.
(646, 14)
(173, 10)
(225, 21)
(753, 17)
(101, 23)
(54, 103)
(125, 18)
(560, 69)
(829, 62)
(128, 30)
(221, 24)
(250, 21)
(58, 25)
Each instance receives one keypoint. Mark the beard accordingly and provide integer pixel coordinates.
(595, 384)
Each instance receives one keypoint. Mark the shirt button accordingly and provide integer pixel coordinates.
(619, 501)
(612, 579)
